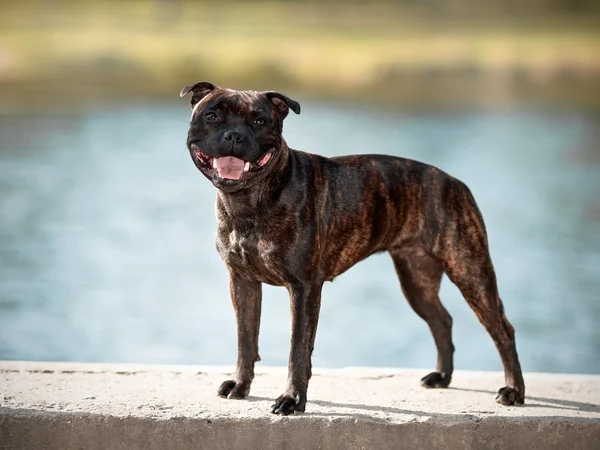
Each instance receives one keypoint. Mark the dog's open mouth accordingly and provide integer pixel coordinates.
(229, 167)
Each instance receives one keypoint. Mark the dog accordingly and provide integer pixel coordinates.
(295, 219)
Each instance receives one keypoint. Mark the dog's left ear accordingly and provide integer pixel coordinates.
(198, 90)
(283, 103)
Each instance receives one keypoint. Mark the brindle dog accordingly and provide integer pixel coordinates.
(295, 219)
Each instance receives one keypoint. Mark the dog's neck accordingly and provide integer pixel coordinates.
(246, 203)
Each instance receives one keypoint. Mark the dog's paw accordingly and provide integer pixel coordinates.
(435, 380)
(233, 389)
(287, 404)
(508, 396)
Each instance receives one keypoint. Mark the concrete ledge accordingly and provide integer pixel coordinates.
(101, 406)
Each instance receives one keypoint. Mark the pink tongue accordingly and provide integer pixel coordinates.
(230, 167)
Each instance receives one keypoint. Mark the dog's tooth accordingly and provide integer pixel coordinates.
(247, 166)
(214, 163)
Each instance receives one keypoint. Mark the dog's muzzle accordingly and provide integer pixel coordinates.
(229, 167)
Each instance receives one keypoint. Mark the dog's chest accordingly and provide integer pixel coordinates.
(250, 253)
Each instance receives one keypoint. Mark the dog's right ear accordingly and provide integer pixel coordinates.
(198, 90)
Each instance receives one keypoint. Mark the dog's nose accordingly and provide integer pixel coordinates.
(234, 137)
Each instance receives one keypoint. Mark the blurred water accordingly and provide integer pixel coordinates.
(107, 230)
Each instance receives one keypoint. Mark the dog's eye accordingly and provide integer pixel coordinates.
(260, 121)
(210, 117)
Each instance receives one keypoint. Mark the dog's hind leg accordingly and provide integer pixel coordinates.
(420, 276)
(469, 266)
(473, 273)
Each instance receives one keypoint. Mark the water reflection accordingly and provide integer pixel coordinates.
(107, 230)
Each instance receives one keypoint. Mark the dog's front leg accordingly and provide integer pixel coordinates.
(305, 303)
(246, 296)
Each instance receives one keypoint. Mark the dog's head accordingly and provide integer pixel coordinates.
(235, 136)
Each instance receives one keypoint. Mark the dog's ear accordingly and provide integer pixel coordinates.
(283, 103)
(198, 90)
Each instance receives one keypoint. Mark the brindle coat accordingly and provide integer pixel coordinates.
(305, 219)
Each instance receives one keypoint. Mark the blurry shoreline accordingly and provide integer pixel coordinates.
(401, 54)
(456, 94)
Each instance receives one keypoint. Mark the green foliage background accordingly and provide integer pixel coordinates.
(394, 51)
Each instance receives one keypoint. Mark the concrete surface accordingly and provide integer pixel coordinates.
(110, 406)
